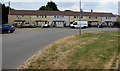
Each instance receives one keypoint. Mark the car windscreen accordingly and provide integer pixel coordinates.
(75, 23)
(5, 25)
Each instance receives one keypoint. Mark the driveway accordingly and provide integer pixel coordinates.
(23, 43)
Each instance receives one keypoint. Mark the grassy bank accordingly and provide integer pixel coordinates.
(98, 50)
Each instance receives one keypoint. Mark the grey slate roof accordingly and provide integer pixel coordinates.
(59, 13)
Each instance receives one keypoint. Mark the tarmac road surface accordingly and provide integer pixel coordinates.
(23, 43)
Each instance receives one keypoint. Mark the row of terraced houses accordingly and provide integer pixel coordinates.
(24, 18)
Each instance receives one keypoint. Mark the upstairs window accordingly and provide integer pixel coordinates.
(54, 16)
(20, 16)
(38, 16)
(108, 17)
(41, 16)
(92, 17)
(62, 16)
(58, 16)
(45, 16)
(81, 16)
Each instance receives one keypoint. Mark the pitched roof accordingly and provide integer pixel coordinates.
(60, 13)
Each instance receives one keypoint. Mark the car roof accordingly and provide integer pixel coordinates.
(6, 24)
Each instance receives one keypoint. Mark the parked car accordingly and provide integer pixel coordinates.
(7, 28)
(78, 24)
(0, 29)
(45, 25)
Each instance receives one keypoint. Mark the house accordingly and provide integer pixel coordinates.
(108, 19)
(118, 17)
(36, 18)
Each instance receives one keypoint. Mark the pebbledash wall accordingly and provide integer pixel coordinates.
(57, 18)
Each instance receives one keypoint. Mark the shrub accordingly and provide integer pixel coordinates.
(116, 24)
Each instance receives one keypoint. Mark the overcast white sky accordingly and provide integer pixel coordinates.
(110, 6)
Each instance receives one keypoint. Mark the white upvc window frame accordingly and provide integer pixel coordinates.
(20, 16)
(108, 17)
(41, 16)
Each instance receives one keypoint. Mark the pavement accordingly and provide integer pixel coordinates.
(23, 43)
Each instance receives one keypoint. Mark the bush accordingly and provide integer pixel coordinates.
(116, 24)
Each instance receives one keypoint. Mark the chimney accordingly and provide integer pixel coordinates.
(91, 10)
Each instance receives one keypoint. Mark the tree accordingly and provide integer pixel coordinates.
(42, 8)
(5, 12)
(50, 6)
(68, 11)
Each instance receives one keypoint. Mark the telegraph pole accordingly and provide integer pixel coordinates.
(9, 7)
(80, 19)
(9, 14)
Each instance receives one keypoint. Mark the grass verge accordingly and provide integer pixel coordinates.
(98, 50)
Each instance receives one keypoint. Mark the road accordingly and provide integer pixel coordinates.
(23, 43)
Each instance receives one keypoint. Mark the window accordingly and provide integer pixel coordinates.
(75, 23)
(20, 16)
(81, 17)
(61, 16)
(54, 16)
(74, 16)
(58, 16)
(108, 17)
(33, 22)
(45, 22)
(45, 16)
(5, 26)
(42, 16)
(27, 23)
(37, 16)
(92, 17)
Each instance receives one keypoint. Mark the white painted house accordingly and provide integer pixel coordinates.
(108, 20)
(59, 21)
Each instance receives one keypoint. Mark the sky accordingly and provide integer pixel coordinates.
(109, 6)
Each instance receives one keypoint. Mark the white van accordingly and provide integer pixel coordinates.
(78, 24)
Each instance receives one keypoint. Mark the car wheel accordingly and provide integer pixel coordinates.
(8, 31)
(11, 31)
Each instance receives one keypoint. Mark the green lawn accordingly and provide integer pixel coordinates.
(98, 50)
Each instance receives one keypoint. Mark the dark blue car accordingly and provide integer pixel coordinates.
(7, 28)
